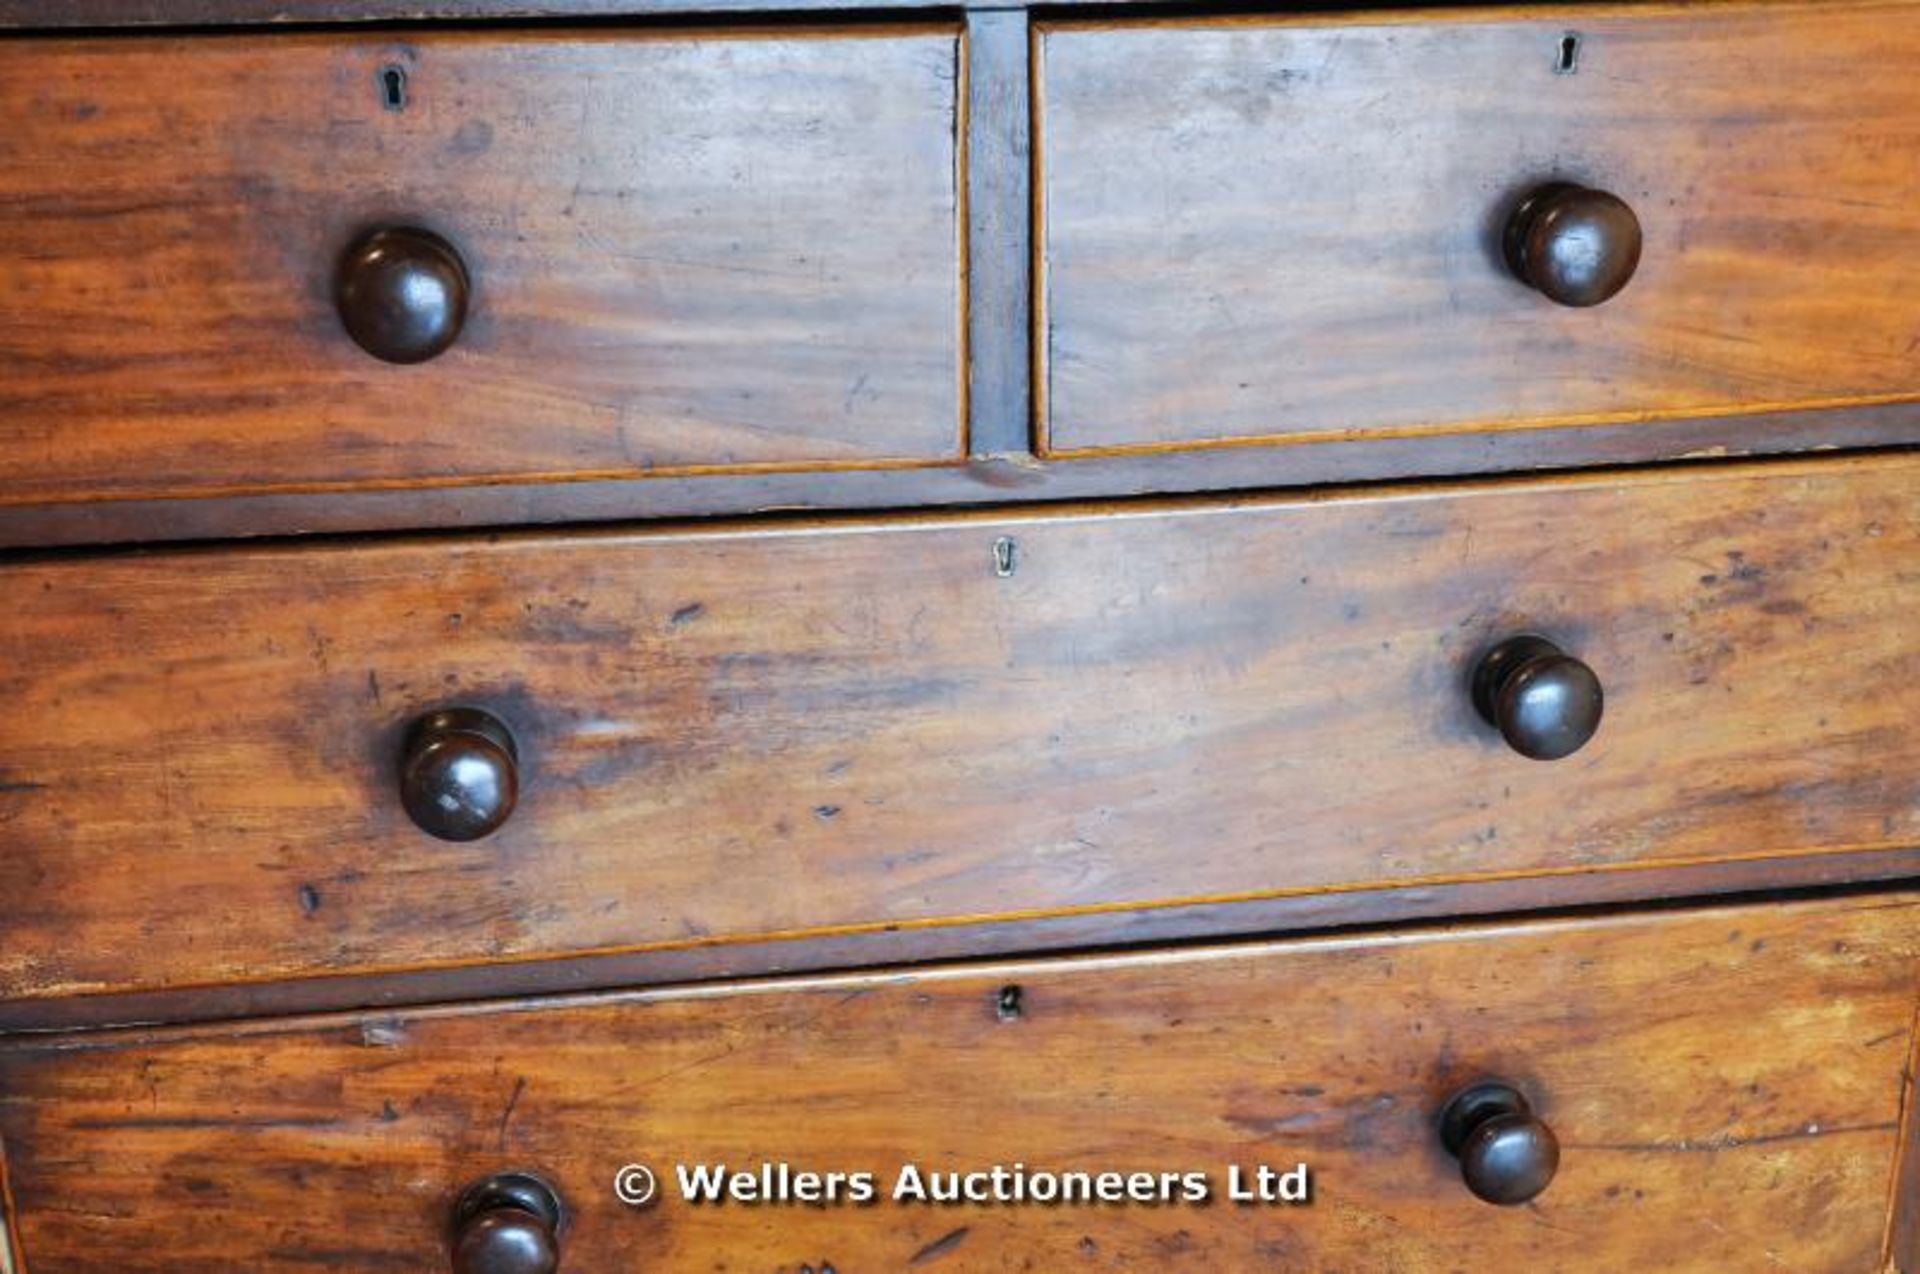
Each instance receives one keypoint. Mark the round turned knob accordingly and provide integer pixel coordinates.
(1506, 1154)
(459, 776)
(402, 294)
(1577, 246)
(507, 1224)
(1546, 703)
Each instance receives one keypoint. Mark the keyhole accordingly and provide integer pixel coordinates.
(1010, 1004)
(393, 87)
(1567, 60)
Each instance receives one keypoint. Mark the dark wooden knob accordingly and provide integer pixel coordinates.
(1577, 246)
(459, 776)
(402, 294)
(1546, 703)
(1506, 1154)
(507, 1224)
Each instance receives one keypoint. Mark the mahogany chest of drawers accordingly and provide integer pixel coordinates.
(1298, 622)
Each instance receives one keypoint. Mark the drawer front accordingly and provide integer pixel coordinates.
(836, 729)
(1725, 1089)
(1290, 230)
(685, 252)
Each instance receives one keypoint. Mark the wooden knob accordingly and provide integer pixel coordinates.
(507, 1224)
(402, 294)
(1577, 246)
(1546, 703)
(1506, 1154)
(459, 776)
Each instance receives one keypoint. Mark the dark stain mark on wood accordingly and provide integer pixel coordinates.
(475, 137)
(309, 900)
(941, 1246)
(688, 613)
(826, 813)
(1179, 1243)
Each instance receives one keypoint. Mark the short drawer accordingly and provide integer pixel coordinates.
(217, 765)
(1293, 229)
(683, 251)
(1724, 1090)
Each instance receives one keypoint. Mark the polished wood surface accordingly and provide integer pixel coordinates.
(689, 250)
(1288, 228)
(786, 730)
(1740, 1066)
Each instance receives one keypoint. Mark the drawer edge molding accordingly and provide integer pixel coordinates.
(1296, 915)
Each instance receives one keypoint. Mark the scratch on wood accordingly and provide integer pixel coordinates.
(940, 1246)
(388, 1033)
(506, 1116)
(1714, 1145)
(195, 1123)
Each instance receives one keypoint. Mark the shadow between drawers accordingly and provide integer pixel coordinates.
(924, 943)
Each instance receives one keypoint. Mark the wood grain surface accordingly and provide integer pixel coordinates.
(1287, 228)
(691, 250)
(1726, 1087)
(793, 730)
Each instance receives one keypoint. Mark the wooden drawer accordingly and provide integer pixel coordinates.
(838, 731)
(1725, 1089)
(688, 252)
(1289, 229)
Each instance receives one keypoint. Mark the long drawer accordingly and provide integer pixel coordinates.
(1293, 228)
(683, 251)
(1724, 1089)
(828, 730)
